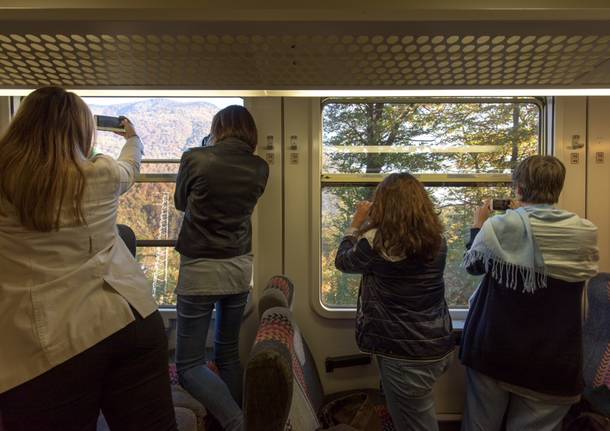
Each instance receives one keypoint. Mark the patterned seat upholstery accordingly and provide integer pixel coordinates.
(282, 388)
(596, 344)
(279, 292)
(268, 379)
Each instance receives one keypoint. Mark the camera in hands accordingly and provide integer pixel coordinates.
(110, 124)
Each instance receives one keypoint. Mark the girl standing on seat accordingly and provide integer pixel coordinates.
(396, 243)
(217, 187)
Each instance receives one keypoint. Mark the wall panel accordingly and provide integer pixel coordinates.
(571, 121)
(598, 174)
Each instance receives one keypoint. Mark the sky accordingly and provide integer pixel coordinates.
(220, 102)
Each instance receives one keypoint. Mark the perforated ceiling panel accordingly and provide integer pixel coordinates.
(302, 56)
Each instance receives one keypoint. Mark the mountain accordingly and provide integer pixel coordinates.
(167, 128)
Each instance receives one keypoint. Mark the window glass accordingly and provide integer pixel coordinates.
(364, 141)
(160, 168)
(161, 266)
(456, 205)
(462, 138)
(167, 126)
(148, 208)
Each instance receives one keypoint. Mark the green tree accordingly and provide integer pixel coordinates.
(497, 136)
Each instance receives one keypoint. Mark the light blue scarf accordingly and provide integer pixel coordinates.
(533, 242)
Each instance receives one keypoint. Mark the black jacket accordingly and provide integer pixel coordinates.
(402, 311)
(217, 188)
(532, 340)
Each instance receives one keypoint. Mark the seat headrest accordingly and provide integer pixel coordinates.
(279, 292)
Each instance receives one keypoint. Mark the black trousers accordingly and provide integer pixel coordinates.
(124, 375)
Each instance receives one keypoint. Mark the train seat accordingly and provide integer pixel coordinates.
(128, 236)
(279, 292)
(596, 344)
(282, 388)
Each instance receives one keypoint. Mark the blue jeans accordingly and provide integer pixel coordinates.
(407, 386)
(221, 396)
(487, 403)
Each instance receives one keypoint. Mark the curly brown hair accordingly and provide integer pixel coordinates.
(406, 221)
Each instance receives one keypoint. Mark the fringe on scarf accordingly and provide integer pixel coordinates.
(505, 273)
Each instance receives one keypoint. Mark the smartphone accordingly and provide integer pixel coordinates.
(111, 124)
(500, 204)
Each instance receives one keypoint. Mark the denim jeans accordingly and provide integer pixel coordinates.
(221, 396)
(487, 403)
(407, 386)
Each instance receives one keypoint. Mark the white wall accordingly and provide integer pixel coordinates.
(598, 174)
(571, 120)
(587, 187)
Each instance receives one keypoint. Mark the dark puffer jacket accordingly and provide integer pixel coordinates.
(402, 311)
(217, 188)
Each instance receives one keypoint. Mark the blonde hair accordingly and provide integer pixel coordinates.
(42, 155)
(407, 223)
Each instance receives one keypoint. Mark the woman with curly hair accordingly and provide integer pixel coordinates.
(396, 242)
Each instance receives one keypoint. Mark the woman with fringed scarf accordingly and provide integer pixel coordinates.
(522, 341)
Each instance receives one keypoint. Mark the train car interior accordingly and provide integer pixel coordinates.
(343, 93)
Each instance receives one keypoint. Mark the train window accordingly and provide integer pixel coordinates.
(167, 127)
(462, 150)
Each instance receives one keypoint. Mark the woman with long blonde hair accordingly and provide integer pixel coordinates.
(80, 330)
(396, 243)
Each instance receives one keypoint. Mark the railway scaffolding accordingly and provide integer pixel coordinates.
(160, 272)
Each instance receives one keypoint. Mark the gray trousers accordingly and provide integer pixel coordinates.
(487, 403)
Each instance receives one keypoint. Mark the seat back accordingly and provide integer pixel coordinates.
(279, 292)
(128, 236)
(596, 344)
(596, 332)
(282, 387)
(268, 378)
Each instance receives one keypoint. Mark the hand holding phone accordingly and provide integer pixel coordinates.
(110, 124)
(500, 204)
(481, 214)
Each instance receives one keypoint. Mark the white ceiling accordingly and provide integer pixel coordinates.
(291, 55)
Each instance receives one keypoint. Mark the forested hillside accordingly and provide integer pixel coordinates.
(167, 128)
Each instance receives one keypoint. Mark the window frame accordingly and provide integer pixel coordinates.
(159, 178)
(319, 180)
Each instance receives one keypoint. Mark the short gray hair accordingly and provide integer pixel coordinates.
(540, 179)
